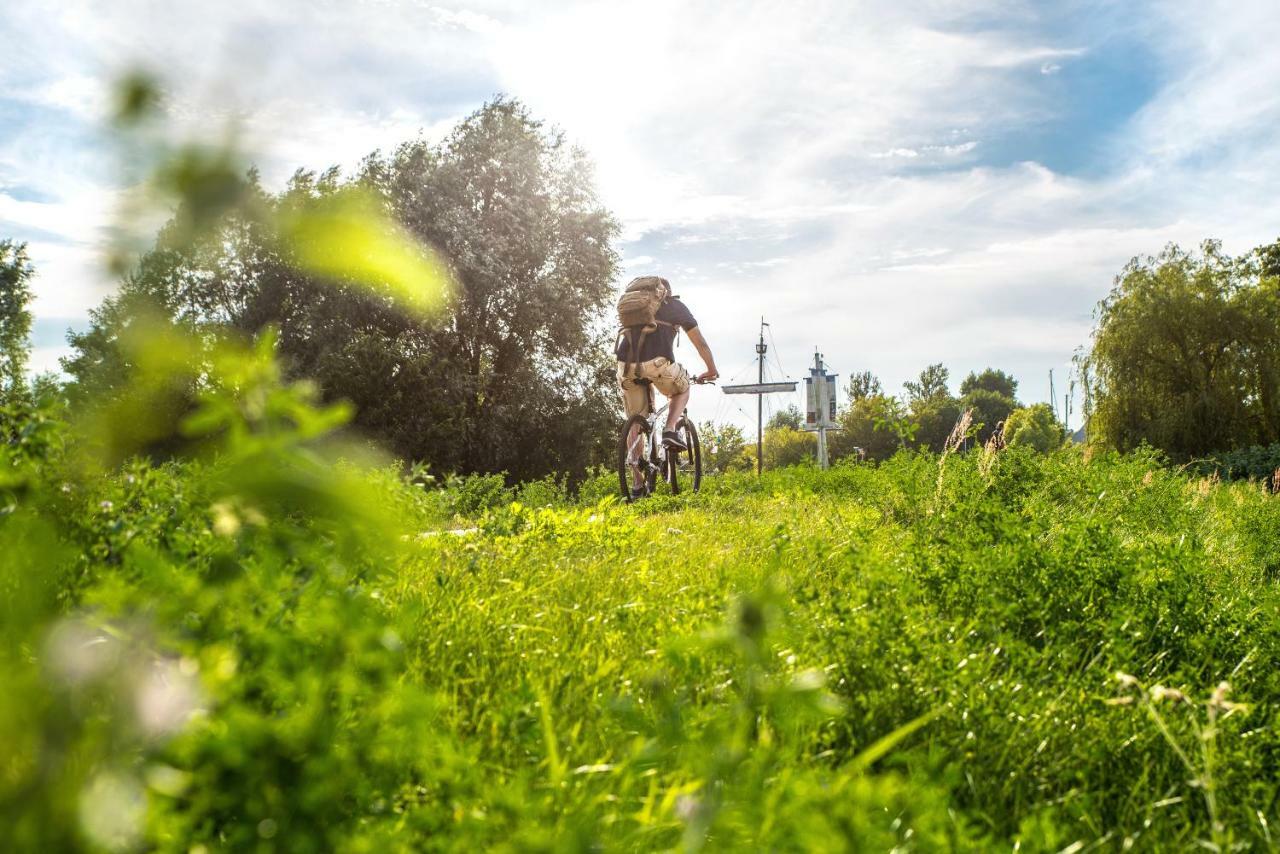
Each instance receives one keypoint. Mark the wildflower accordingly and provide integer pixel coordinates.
(1159, 692)
(1219, 702)
(225, 521)
(687, 807)
(166, 698)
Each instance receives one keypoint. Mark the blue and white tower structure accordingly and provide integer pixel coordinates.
(820, 405)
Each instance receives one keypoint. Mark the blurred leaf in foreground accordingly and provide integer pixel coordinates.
(137, 97)
(347, 237)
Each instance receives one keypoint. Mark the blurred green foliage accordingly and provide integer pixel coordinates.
(786, 446)
(1256, 462)
(725, 448)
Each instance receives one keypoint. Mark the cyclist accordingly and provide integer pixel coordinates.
(656, 364)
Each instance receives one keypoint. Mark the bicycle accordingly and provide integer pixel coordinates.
(644, 456)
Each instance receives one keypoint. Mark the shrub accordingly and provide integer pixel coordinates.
(550, 491)
(1256, 462)
(1035, 427)
(786, 447)
(473, 494)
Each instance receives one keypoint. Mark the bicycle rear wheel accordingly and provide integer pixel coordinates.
(685, 465)
(633, 468)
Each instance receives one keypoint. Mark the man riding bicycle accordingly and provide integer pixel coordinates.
(646, 355)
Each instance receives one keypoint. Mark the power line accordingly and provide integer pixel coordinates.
(743, 370)
(776, 356)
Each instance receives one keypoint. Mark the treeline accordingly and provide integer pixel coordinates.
(874, 425)
(1184, 358)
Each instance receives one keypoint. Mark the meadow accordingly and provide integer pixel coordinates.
(274, 641)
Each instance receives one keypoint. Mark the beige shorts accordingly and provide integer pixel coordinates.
(667, 376)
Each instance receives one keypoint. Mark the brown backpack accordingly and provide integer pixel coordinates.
(637, 316)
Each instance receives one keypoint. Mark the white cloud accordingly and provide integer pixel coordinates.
(70, 279)
(895, 152)
(467, 20)
(45, 359)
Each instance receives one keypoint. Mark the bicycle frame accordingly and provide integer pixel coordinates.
(655, 455)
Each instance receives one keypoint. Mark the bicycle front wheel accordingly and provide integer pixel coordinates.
(685, 465)
(634, 470)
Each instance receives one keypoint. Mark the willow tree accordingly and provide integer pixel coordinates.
(1185, 355)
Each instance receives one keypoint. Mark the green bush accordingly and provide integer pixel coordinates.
(786, 447)
(472, 494)
(550, 491)
(1257, 462)
(1035, 427)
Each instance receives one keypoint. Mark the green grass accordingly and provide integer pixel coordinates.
(1000, 607)
(913, 655)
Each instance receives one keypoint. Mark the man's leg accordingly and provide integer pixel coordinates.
(676, 405)
(636, 401)
(634, 454)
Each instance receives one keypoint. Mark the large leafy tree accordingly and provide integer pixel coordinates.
(933, 408)
(865, 424)
(930, 385)
(990, 380)
(784, 446)
(1184, 355)
(789, 418)
(515, 376)
(724, 448)
(992, 395)
(15, 316)
(863, 384)
(1269, 260)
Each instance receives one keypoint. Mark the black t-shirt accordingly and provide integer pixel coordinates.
(659, 342)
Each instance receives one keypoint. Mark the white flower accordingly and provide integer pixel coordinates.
(165, 698)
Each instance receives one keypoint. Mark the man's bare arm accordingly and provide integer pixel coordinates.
(704, 350)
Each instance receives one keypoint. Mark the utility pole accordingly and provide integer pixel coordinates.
(761, 348)
(1053, 398)
(820, 376)
(759, 389)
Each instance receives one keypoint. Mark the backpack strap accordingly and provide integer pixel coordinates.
(631, 365)
(634, 337)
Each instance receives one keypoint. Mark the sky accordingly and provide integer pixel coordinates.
(890, 183)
